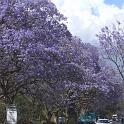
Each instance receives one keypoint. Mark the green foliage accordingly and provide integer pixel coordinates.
(71, 121)
(2, 112)
(24, 108)
(31, 111)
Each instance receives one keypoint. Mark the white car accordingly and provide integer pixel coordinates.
(103, 121)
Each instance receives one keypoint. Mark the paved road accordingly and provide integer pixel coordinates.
(115, 122)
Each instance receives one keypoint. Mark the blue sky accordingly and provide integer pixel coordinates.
(87, 17)
(118, 3)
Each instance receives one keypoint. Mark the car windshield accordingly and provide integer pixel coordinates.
(103, 121)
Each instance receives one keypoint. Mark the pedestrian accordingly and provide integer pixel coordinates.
(122, 120)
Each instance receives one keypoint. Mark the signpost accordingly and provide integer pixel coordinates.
(11, 115)
(88, 117)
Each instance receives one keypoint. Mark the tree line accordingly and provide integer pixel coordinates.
(44, 66)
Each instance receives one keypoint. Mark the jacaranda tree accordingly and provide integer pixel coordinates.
(29, 30)
(40, 58)
(111, 39)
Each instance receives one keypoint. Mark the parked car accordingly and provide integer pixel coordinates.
(110, 121)
(103, 121)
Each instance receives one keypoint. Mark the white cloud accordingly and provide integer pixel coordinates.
(87, 17)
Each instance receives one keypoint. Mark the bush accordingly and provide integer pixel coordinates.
(24, 122)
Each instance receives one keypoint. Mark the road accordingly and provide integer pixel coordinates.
(115, 122)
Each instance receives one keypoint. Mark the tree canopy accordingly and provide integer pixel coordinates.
(40, 58)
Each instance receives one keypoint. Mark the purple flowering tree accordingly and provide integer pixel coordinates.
(29, 30)
(111, 39)
(81, 81)
(39, 57)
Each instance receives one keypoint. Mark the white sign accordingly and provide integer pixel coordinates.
(11, 115)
